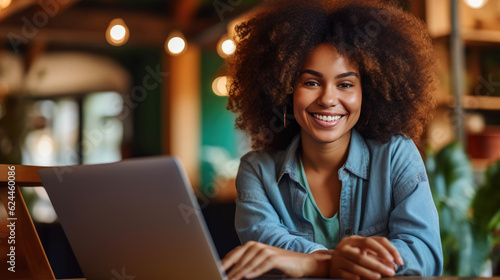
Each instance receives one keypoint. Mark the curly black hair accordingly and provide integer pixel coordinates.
(391, 47)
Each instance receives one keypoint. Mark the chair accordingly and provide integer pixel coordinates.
(16, 226)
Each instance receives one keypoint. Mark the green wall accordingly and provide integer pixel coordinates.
(217, 123)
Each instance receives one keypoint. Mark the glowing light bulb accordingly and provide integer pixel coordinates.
(225, 46)
(476, 4)
(117, 33)
(228, 46)
(176, 44)
(219, 86)
(4, 4)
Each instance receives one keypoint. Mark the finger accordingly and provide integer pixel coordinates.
(390, 247)
(360, 269)
(385, 267)
(367, 262)
(261, 268)
(259, 261)
(252, 255)
(232, 257)
(372, 244)
(375, 265)
(384, 261)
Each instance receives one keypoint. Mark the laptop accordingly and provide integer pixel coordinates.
(134, 219)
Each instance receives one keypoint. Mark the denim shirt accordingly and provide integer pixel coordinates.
(385, 192)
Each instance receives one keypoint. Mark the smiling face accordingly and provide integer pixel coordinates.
(327, 97)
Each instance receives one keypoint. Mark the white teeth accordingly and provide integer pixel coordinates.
(327, 118)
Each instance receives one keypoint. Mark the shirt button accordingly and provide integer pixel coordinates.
(344, 172)
(347, 231)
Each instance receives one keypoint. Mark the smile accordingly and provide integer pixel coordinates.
(326, 118)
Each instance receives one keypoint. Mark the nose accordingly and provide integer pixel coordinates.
(328, 97)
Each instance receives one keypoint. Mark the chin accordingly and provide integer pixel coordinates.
(330, 138)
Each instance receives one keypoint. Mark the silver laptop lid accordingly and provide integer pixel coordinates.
(134, 219)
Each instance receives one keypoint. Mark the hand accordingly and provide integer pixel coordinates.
(254, 259)
(359, 257)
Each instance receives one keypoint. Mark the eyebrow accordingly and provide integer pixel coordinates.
(339, 76)
(347, 74)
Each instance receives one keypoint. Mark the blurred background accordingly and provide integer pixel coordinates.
(95, 81)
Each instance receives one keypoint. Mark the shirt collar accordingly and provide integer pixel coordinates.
(289, 162)
(358, 160)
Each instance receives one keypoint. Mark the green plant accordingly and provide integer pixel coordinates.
(486, 210)
(452, 185)
(467, 217)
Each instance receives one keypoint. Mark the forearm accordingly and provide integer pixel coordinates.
(421, 259)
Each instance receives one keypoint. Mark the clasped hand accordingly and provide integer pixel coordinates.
(354, 258)
(359, 257)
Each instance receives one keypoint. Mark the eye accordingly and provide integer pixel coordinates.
(311, 83)
(345, 85)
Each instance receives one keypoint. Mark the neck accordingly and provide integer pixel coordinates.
(327, 157)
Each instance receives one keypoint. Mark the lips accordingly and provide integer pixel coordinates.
(327, 118)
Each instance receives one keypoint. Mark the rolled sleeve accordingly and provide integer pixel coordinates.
(414, 230)
(257, 218)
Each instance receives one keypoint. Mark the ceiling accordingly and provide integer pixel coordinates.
(84, 22)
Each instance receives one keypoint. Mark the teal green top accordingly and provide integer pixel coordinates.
(326, 230)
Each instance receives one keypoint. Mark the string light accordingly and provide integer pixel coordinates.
(4, 4)
(476, 4)
(219, 86)
(117, 33)
(228, 46)
(176, 43)
(225, 46)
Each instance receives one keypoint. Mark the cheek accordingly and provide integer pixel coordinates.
(354, 102)
(299, 108)
(301, 100)
(297, 104)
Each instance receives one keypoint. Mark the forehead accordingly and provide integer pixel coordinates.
(326, 57)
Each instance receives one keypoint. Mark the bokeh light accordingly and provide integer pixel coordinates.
(117, 33)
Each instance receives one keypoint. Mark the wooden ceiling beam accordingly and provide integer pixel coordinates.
(87, 26)
(48, 7)
(185, 12)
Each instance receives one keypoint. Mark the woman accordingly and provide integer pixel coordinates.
(331, 94)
